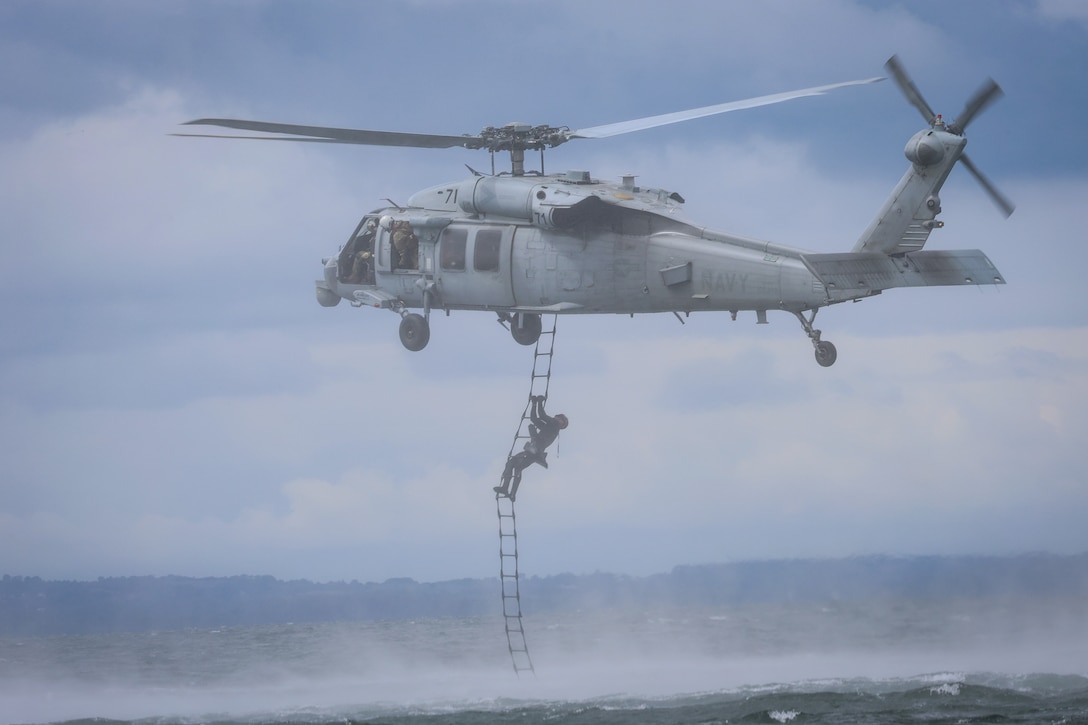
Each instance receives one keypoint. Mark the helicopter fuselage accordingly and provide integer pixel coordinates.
(565, 244)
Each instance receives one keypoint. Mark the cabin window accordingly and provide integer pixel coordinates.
(485, 257)
(452, 257)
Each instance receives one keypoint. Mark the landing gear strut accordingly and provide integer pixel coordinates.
(825, 351)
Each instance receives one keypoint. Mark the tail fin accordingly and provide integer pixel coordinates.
(889, 252)
(905, 221)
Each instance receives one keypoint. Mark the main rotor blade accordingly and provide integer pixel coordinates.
(337, 135)
(1003, 203)
(984, 96)
(640, 124)
(899, 73)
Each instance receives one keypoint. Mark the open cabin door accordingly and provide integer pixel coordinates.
(398, 273)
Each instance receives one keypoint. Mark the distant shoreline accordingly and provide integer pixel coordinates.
(30, 606)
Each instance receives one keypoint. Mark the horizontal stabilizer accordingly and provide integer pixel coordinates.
(872, 271)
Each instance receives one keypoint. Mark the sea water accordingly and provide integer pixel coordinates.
(873, 662)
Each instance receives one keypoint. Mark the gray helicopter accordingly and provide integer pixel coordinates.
(524, 243)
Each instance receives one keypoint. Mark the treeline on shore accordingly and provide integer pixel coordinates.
(33, 606)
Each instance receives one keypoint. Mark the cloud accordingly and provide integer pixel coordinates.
(176, 402)
(1062, 10)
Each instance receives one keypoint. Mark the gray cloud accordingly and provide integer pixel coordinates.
(175, 402)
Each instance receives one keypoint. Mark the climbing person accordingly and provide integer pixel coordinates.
(543, 430)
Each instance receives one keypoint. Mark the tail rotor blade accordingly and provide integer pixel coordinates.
(1002, 202)
(899, 73)
(984, 96)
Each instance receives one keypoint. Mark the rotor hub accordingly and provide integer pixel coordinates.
(521, 136)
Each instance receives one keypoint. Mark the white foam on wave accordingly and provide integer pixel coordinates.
(948, 688)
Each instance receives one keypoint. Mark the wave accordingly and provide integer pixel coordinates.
(939, 696)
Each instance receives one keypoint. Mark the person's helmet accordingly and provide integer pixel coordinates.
(386, 222)
(561, 420)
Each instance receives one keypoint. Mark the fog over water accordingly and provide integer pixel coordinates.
(321, 671)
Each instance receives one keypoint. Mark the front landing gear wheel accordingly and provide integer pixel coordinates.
(826, 353)
(415, 333)
(525, 328)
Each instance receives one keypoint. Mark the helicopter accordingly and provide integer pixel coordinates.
(522, 243)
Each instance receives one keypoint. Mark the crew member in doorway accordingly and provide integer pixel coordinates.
(362, 269)
(543, 430)
(407, 245)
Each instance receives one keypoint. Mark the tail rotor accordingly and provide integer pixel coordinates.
(982, 98)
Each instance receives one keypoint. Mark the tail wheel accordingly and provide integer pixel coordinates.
(525, 328)
(415, 333)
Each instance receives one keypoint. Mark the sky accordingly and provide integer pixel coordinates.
(173, 400)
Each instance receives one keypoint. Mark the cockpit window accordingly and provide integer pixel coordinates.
(485, 257)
